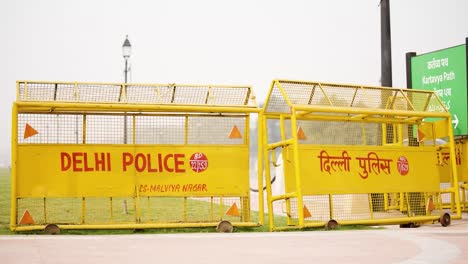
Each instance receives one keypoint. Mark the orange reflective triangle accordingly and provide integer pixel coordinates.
(235, 133)
(430, 205)
(233, 211)
(29, 131)
(300, 134)
(26, 219)
(307, 213)
(421, 135)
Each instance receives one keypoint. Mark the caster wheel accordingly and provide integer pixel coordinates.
(224, 227)
(332, 224)
(445, 220)
(52, 229)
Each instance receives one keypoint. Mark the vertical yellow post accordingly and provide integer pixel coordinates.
(364, 134)
(14, 144)
(283, 138)
(439, 202)
(221, 207)
(76, 92)
(453, 163)
(266, 157)
(400, 134)
(245, 201)
(297, 168)
(330, 205)
(26, 91)
(148, 207)
(408, 205)
(452, 195)
(111, 211)
(136, 211)
(17, 90)
(211, 209)
(384, 134)
(84, 129)
(245, 217)
(385, 197)
(371, 206)
(463, 199)
(247, 130)
(137, 203)
(402, 201)
(83, 210)
(186, 130)
(287, 201)
(426, 201)
(261, 213)
(133, 129)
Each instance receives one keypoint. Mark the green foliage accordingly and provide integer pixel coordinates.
(5, 201)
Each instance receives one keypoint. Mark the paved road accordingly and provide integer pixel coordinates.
(427, 244)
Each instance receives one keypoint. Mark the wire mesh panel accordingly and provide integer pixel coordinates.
(78, 92)
(339, 95)
(214, 130)
(50, 128)
(356, 155)
(181, 94)
(105, 129)
(276, 103)
(41, 92)
(150, 94)
(348, 133)
(132, 155)
(164, 129)
(355, 208)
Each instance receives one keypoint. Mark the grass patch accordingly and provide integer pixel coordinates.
(5, 201)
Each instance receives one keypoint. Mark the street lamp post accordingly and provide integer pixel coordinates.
(126, 51)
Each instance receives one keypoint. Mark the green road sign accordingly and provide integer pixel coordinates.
(444, 71)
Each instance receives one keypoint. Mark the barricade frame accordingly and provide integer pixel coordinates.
(207, 104)
(280, 107)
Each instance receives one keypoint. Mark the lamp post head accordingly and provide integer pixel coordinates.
(126, 48)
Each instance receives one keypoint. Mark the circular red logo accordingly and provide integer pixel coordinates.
(402, 166)
(198, 162)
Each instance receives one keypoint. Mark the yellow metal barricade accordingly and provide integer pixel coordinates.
(92, 156)
(352, 155)
(461, 152)
(461, 159)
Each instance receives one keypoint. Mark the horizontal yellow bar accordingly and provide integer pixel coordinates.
(51, 107)
(284, 228)
(284, 196)
(283, 143)
(368, 119)
(368, 111)
(448, 190)
(169, 114)
(138, 84)
(362, 116)
(383, 88)
(390, 221)
(455, 217)
(134, 226)
(315, 224)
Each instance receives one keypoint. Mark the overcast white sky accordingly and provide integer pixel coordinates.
(213, 41)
